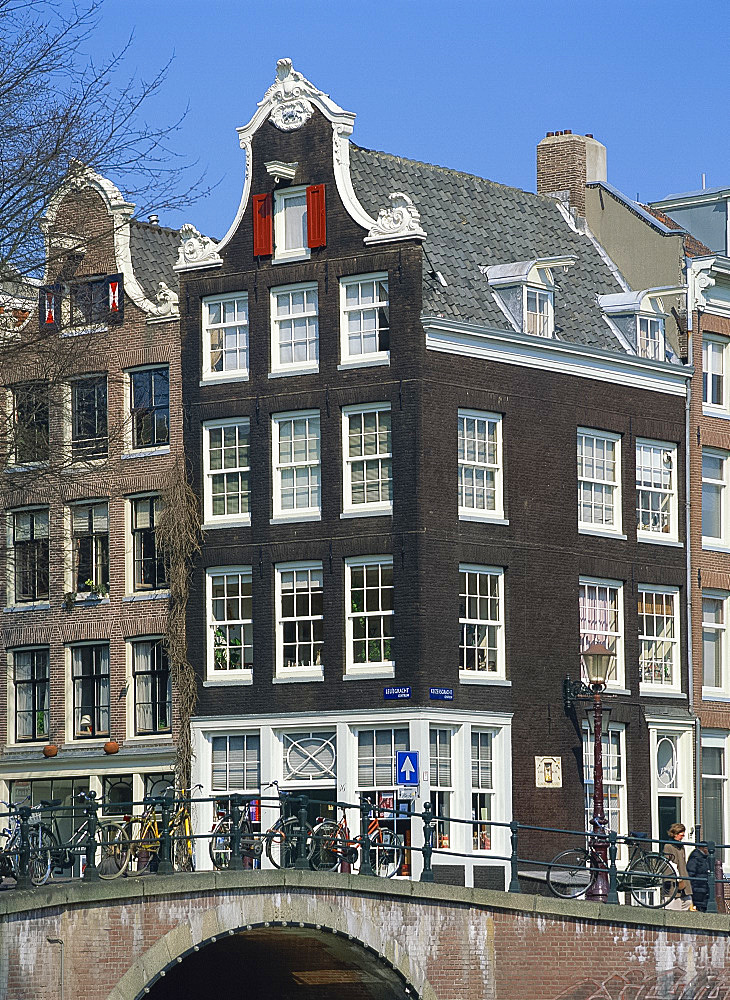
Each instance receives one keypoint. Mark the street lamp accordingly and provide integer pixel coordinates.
(598, 660)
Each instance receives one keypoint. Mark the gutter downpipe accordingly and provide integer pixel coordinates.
(52, 940)
(691, 700)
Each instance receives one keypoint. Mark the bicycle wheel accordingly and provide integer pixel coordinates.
(651, 880)
(569, 874)
(144, 846)
(113, 850)
(386, 856)
(328, 848)
(282, 842)
(220, 844)
(43, 851)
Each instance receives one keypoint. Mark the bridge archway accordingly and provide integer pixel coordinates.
(285, 963)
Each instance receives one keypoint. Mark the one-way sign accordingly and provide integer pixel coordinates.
(407, 767)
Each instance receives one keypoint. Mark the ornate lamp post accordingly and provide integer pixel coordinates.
(598, 660)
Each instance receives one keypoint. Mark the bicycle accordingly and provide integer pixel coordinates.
(334, 846)
(144, 837)
(649, 877)
(112, 842)
(280, 841)
(39, 856)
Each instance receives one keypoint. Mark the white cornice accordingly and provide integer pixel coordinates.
(471, 340)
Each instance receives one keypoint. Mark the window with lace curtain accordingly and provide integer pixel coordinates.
(152, 688)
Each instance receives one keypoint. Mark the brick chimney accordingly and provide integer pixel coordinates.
(566, 162)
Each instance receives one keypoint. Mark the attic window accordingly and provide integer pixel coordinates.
(538, 312)
(525, 292)
(650, 337)
(82, 304)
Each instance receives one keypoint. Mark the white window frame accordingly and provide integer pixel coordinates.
(309, 365)
(281, 197)
(723, 541)
(608, 783)
(392, 728)
(591, 527)
(130, 451)
(644, 342)
(347, 359)
(476, 788)
(246, 762)
(476, 676)
(220, 520)
(667, 454)
(719, 692)
(382, 668)
(311, 513)
(716, 739)
(719, 345)
(477, 513)
(227, 675)
(674, 686)
(549, 323)
(368, 508)
(618, 681)
(227, 374)
(683, 789)
(308, 672)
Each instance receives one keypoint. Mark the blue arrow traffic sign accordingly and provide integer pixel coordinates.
(407, 767)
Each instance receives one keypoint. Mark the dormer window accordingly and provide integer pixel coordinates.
(650, 340)
(299, 222)
(525, 292)
(82, 304)
(539, 313)
(638, 319)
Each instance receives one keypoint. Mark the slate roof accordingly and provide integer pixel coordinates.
(473, 223)
(154, 251)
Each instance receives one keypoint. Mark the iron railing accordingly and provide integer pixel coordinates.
(156, 835)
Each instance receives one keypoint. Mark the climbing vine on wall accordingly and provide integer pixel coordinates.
(178, 534)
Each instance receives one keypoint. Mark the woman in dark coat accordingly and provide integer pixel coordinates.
(698, 865)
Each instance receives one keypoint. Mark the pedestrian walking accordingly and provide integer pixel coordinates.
(674, 852)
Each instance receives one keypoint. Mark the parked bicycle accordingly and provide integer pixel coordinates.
(649, 877)
(39, 856)
(280, 841)
(335, 847)
(145, 836)
(112, 843)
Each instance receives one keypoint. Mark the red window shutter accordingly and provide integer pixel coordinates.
(316, 216)
(263, 234)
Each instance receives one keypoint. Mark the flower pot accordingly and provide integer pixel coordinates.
(111, 747)
(50, 751)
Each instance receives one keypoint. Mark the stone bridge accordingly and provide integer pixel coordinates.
(291, 934)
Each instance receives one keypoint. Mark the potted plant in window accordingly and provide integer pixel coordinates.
(96, 590)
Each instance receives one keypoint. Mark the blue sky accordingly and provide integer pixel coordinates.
(469, 85)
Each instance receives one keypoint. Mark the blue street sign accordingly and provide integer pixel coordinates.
(441, 694)
(406, 765)
(396, 693)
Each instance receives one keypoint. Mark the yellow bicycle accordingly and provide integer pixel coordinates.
(144, 838)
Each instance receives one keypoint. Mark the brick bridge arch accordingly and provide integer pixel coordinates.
(115, 939)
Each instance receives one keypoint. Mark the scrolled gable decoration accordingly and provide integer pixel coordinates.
(401, 221)
(195, 250)
(288, 94)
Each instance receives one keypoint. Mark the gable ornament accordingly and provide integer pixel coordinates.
(288, 94)
(399, 222)
(195, 250)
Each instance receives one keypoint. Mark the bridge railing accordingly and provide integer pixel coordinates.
(93, 838)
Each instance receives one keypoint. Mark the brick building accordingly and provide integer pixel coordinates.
(388, 369)
(96, 417)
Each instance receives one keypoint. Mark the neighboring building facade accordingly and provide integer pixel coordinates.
(95, 426)
(400, 550)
